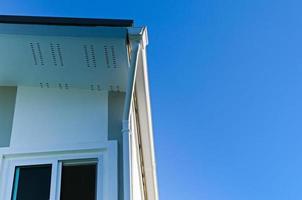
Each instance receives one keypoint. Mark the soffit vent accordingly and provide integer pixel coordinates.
(40, 53)
(56, 54)
(53, 62)
(89, 54)
(37, 55)
(110, 56)
(113, 56)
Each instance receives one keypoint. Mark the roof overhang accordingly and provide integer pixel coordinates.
(39, 51)
(81, 53)
(66, 21)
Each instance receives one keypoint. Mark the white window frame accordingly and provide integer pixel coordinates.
(29, 162)
(106, 159)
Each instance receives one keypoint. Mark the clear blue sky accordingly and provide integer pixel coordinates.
(226, 86)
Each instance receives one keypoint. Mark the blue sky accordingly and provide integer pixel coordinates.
(226, 86)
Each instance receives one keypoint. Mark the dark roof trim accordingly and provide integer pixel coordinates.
(66, 21)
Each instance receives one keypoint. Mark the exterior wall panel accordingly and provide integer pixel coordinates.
(7, 106)
(58, 117)
(115, 114)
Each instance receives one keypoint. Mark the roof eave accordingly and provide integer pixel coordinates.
(65, 21)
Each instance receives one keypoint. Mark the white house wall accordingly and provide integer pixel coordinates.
(58, 117)
(7, 105)
(116, 101)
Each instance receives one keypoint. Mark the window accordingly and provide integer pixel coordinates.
(56, 180)
(32, 183)
(60, 174)
(78, 181)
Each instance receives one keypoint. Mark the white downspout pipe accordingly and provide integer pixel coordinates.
(136, 47)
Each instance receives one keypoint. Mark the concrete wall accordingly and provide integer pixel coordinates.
(49, 122)
(115, 115)
(7, 106)
(57, 117)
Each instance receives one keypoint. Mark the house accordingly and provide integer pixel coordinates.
(75, 117)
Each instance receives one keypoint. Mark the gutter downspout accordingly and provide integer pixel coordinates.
(126, 131)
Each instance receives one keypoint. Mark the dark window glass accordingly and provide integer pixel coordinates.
(79, 182)
(32, 183)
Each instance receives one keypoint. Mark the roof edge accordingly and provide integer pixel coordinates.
(65, 21)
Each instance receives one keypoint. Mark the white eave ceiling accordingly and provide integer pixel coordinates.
(93, 57)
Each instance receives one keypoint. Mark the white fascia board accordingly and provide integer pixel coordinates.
(140, 32)
(141, 84)
(145, 115)
(138, 41)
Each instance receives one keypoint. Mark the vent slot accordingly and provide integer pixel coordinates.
(40, 53)
(56, 53)
(110, 56)
(37, 54)
(44, 85)
(96, 87)
(92, 53)
(113, 56)
(65, 86)
(89, 54)
(86, 55)
(106, 54)
(114, 88)
(53, 54)
(33, 52)
(92, 87)
(59, 49)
